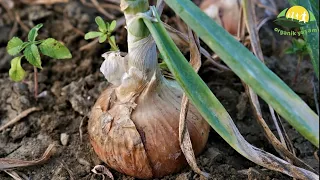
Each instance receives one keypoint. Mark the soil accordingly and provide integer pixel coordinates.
(69, 88)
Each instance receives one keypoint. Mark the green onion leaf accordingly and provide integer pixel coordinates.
(251, 70)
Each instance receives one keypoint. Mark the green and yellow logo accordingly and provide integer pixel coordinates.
(296, 16)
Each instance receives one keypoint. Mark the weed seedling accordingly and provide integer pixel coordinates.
(31, 51)
(298, 47)
(104, 33)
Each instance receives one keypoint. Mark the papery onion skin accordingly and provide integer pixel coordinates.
(224, 12)
(145, 142)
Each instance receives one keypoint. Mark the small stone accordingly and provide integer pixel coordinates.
(212, 154)
(205, 161)
(56, 88)
(255, 174)
(19, 130)
(64, 138)
(83, 162)
(184, 176)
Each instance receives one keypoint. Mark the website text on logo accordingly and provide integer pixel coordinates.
(294, 17)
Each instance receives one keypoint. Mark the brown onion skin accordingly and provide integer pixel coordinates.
(151, 149)
(229, 15)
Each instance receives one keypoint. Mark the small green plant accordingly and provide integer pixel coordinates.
(299, 47)
(31, 51)
(104, 33)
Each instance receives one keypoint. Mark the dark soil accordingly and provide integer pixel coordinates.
(69, 88)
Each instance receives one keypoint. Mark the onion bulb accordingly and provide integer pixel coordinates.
(134, 124)
(224, 12)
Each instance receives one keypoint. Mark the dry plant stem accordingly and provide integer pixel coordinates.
(47, 2)
(204, 52)
(101, 10)
(68, 170)
(273, 139)
(19, 117)
(16, 163)
(8, 9)
(272, 9)
(315, 96)
(80, 127)
(280, 147)
(274, 118)
(113, 1)
(104, 5)
(160, 6)
(286, 137)
(241, 26)
(316, 155)
(35, 76)
(263, 21)
(89, 45)
(13, 174)
(14, 30)
(23, 26)
(184, 136)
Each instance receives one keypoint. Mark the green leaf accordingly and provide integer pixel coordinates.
(32, 55)
(53, 48)
(101, 24)
(112, 26)
(311, 38)
(16, 72)
(108, 26)
(14, 46)
(209, 106)
(251, 70)
(103, 38)
(34, 32)
(290, 50)
(92, 34)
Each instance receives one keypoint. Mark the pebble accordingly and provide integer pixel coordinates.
(64, 138)
(83, 162)
(184, 176)
(19, 130)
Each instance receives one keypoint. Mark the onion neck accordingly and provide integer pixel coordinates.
(142, 51)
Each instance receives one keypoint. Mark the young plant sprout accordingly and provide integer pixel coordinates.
(49, 47)
(298, 47)
(105, 31)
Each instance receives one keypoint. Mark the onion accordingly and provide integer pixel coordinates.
(140, 137)
(134, 124)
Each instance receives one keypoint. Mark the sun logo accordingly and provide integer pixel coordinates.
(296, 16)
(298, 13)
